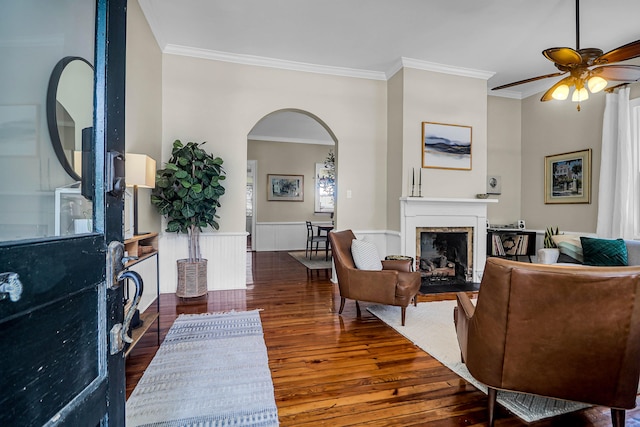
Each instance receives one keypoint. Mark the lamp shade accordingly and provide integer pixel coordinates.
(596, 84)
(561, 93)
(140, 170)
(580, 95)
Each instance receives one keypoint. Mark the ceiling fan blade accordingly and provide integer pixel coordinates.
(564, 56)
(569, 80)
(532, 79)
(622, 53)
(620, 73)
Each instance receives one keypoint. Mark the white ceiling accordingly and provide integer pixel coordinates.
(500, 40)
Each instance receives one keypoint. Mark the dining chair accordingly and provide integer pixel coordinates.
(313, 238)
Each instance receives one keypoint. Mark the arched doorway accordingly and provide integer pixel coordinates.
(289, 142)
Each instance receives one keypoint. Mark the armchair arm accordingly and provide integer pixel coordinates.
(373, 286)
(462, 315)
(397, 264)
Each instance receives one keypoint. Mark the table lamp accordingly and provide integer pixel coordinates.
(140, 171)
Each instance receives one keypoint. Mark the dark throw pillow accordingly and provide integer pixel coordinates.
(604, 252)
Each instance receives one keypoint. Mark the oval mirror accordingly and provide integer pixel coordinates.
(70, 110)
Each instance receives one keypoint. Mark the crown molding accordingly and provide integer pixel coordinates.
(417, 64)
(265, 138)
(261, 61)
(511, 94)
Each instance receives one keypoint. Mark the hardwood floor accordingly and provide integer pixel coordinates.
(340, 370)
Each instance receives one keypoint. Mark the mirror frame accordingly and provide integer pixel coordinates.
(52, 119)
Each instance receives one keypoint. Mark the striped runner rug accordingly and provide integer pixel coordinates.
(211, 371)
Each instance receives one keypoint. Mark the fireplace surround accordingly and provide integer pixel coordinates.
(453, 213)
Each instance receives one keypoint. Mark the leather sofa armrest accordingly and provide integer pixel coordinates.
(548, 255)
(462, 315)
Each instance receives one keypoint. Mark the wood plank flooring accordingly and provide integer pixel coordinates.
(340, 370)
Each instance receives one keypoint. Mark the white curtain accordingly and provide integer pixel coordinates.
(618, 189)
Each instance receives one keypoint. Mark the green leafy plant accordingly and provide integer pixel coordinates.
(188, 191)
(548, 241)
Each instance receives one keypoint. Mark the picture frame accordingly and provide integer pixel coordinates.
(446, 146)
(494, 184)
(324, 189)
(567, 177)
(285, 188)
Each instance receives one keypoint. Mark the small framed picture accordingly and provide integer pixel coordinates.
(567, 177)
(494, 184)
(285, 188)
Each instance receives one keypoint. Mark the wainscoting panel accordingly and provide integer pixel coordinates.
(282, 236)
(226, 254)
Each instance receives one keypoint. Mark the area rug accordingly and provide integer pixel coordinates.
(211, 371)
(316, 262)
(430, 327)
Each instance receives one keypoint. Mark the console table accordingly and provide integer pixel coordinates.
(145, 247)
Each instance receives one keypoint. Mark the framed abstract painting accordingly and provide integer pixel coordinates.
(446, 146)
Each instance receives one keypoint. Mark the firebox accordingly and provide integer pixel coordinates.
(445, 254)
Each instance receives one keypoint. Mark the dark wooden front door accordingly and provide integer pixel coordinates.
(56, 367)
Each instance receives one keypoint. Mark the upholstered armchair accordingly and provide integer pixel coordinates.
(563, 332)
(395, 284)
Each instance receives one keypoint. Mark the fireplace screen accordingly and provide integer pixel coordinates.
(445, 254)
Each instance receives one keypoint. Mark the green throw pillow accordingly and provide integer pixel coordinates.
(604, 252)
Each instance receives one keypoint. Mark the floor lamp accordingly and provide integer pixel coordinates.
(140, 171)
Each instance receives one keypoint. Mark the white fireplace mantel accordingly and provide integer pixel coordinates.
(417, 212)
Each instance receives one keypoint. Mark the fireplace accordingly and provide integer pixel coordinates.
(438, 215)
(444, 255)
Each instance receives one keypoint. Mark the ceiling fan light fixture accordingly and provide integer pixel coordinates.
(596, 84)
(561, 93)
(580, 95)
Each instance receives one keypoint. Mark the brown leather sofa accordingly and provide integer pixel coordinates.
(395, 284)
(564, 332)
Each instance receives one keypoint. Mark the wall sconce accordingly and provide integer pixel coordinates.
(140, 171)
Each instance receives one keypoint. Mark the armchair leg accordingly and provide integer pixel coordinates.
(492, 395)
(341, 305)
(403, 314)
(358, 313)
(617, 417)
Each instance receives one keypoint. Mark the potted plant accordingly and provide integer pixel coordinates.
(187, 193)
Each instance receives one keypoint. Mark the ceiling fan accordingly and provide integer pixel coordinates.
(587, 68)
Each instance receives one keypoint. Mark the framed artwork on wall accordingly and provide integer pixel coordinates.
(446, 146)
(494, 184)
(567, 177)
(285, 188)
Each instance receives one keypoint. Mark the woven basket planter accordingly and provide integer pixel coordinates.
(192, 278)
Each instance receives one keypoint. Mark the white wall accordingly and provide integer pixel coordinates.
(504, 158)
(143, 130)
(449, 99)
(556, 127)
(219, 102)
